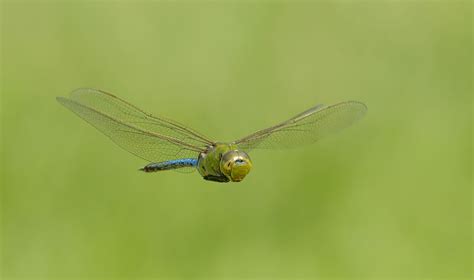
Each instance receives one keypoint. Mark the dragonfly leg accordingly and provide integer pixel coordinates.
(220, 179)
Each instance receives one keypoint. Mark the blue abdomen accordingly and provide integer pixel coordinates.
(170, 164)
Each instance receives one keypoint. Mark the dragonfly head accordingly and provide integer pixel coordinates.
(235, 165)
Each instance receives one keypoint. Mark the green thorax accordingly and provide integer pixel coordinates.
(209, 162)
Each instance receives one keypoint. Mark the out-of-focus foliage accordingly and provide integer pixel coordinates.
(388, 198)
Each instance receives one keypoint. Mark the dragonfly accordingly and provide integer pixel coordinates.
(170, 145)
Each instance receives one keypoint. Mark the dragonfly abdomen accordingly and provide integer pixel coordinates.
(170, 164)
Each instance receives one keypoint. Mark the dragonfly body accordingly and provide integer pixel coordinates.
(170, 145)
(220, 162)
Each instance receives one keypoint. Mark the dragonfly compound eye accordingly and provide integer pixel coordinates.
(235, 165)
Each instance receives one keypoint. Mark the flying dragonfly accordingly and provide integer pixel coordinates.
(169, 145)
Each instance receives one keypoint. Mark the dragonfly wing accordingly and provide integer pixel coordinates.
(151, 138)
(306, 127)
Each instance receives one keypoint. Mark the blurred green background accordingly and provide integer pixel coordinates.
(388, 198)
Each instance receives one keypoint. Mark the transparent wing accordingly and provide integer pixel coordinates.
(306, 127)
(151, 138)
